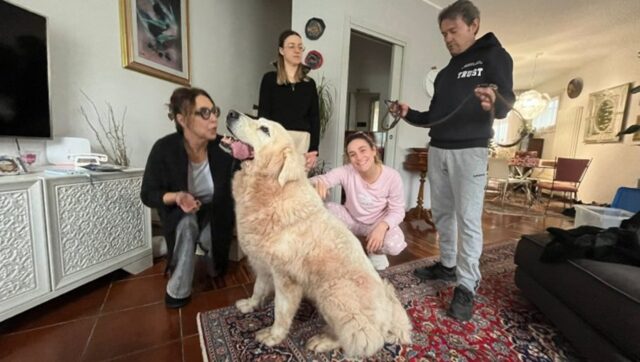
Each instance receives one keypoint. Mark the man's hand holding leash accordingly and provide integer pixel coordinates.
(487, 95)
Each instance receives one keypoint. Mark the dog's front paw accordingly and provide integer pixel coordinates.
(267, 337)
(321, 343)
(246, 305)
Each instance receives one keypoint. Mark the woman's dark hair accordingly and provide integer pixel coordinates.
(462, 8)
(182, 101)
(281, 75)
(361, 136)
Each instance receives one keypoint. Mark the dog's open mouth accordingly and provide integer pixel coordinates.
(236, 148)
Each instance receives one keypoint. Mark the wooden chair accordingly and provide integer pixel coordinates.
(567, 177)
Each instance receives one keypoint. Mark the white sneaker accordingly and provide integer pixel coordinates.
(379, 261)
(199, 250)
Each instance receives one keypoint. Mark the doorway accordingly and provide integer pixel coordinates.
(375, 63)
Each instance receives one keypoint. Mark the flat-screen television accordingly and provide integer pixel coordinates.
(24, 76)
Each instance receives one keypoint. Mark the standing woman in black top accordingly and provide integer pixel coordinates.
(289, 97)
(188, 180)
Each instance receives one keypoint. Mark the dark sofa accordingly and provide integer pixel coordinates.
(595, 304)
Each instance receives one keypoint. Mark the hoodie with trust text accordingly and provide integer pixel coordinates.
(486, 61)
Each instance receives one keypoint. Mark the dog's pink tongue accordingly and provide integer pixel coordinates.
(241, 151)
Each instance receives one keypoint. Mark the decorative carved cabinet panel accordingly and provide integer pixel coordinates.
(24, 267)
(92, 223)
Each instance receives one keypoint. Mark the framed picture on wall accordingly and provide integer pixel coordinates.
(154, 35)
(605, 114)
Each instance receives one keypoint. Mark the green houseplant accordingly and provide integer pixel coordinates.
(325, 103)
(325, 110)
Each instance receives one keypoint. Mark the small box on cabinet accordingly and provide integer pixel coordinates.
(604, 217)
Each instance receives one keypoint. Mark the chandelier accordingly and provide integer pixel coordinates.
(531, 103)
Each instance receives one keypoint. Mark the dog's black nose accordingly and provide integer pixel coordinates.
(233, 115)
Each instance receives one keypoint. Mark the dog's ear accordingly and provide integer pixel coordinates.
(292, 167)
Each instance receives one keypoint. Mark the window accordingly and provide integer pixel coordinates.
(546, 121)
(501, 130)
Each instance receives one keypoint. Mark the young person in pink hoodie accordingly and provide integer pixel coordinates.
(374, 199)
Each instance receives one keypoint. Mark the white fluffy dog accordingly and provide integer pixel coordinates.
(298, 249)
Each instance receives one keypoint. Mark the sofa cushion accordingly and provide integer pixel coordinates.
(605, 295)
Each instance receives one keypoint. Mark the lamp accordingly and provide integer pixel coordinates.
(531, 103)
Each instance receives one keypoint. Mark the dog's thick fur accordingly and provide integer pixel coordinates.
(298, 249)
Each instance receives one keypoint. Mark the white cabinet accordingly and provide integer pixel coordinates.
(24, 265)
(59, 232)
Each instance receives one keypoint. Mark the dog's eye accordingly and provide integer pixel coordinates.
(265, 129)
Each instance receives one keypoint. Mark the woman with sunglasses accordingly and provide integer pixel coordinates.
(188, 180)
(374, 204)
(290, 98)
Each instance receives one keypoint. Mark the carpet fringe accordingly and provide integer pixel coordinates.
(203, 345)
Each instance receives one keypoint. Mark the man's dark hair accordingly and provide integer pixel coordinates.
(462, 8)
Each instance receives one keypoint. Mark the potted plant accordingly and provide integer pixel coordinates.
(109, 132)
(325, 110)
(325, 103)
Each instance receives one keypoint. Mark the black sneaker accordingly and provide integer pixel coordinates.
(461, 307)
(436, 271)
(175, 303)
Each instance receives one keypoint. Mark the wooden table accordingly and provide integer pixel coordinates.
(417, 161)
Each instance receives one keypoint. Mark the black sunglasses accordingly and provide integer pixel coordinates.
(206, 113)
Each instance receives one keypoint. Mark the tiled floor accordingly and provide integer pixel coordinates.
(122, 317)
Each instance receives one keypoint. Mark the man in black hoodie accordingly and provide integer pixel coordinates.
(458, 149)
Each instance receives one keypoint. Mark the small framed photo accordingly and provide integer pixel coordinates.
(606, 112)
(154, 35)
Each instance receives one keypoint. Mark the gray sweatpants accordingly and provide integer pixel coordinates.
(457, 179)
(188, 234)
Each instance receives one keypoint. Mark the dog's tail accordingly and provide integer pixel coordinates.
(400, 329)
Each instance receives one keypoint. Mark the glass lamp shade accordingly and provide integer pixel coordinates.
(531, 103)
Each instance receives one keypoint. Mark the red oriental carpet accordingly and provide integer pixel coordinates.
(505, 326)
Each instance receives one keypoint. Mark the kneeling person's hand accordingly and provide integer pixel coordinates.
(321, 189)
(375, 238)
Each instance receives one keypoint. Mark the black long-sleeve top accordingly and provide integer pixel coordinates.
(486, 61)
(167, 171)
(294, 106)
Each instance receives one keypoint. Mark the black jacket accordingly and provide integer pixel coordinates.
(295, 106)
(486, 61)
(166, 171)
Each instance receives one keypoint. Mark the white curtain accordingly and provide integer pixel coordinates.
(501, 130)
(546, 121)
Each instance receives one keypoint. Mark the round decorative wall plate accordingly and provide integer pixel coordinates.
(314, 28)
(313, 59)
(429, 80)
(574, 88)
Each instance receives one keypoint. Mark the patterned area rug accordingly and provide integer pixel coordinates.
(505, 326)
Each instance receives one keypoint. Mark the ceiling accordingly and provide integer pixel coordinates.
(561, 34)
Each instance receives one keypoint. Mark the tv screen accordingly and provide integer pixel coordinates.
(24, 80)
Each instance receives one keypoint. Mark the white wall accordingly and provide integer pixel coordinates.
(411, 21)
(232, 44)
(613, 164)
